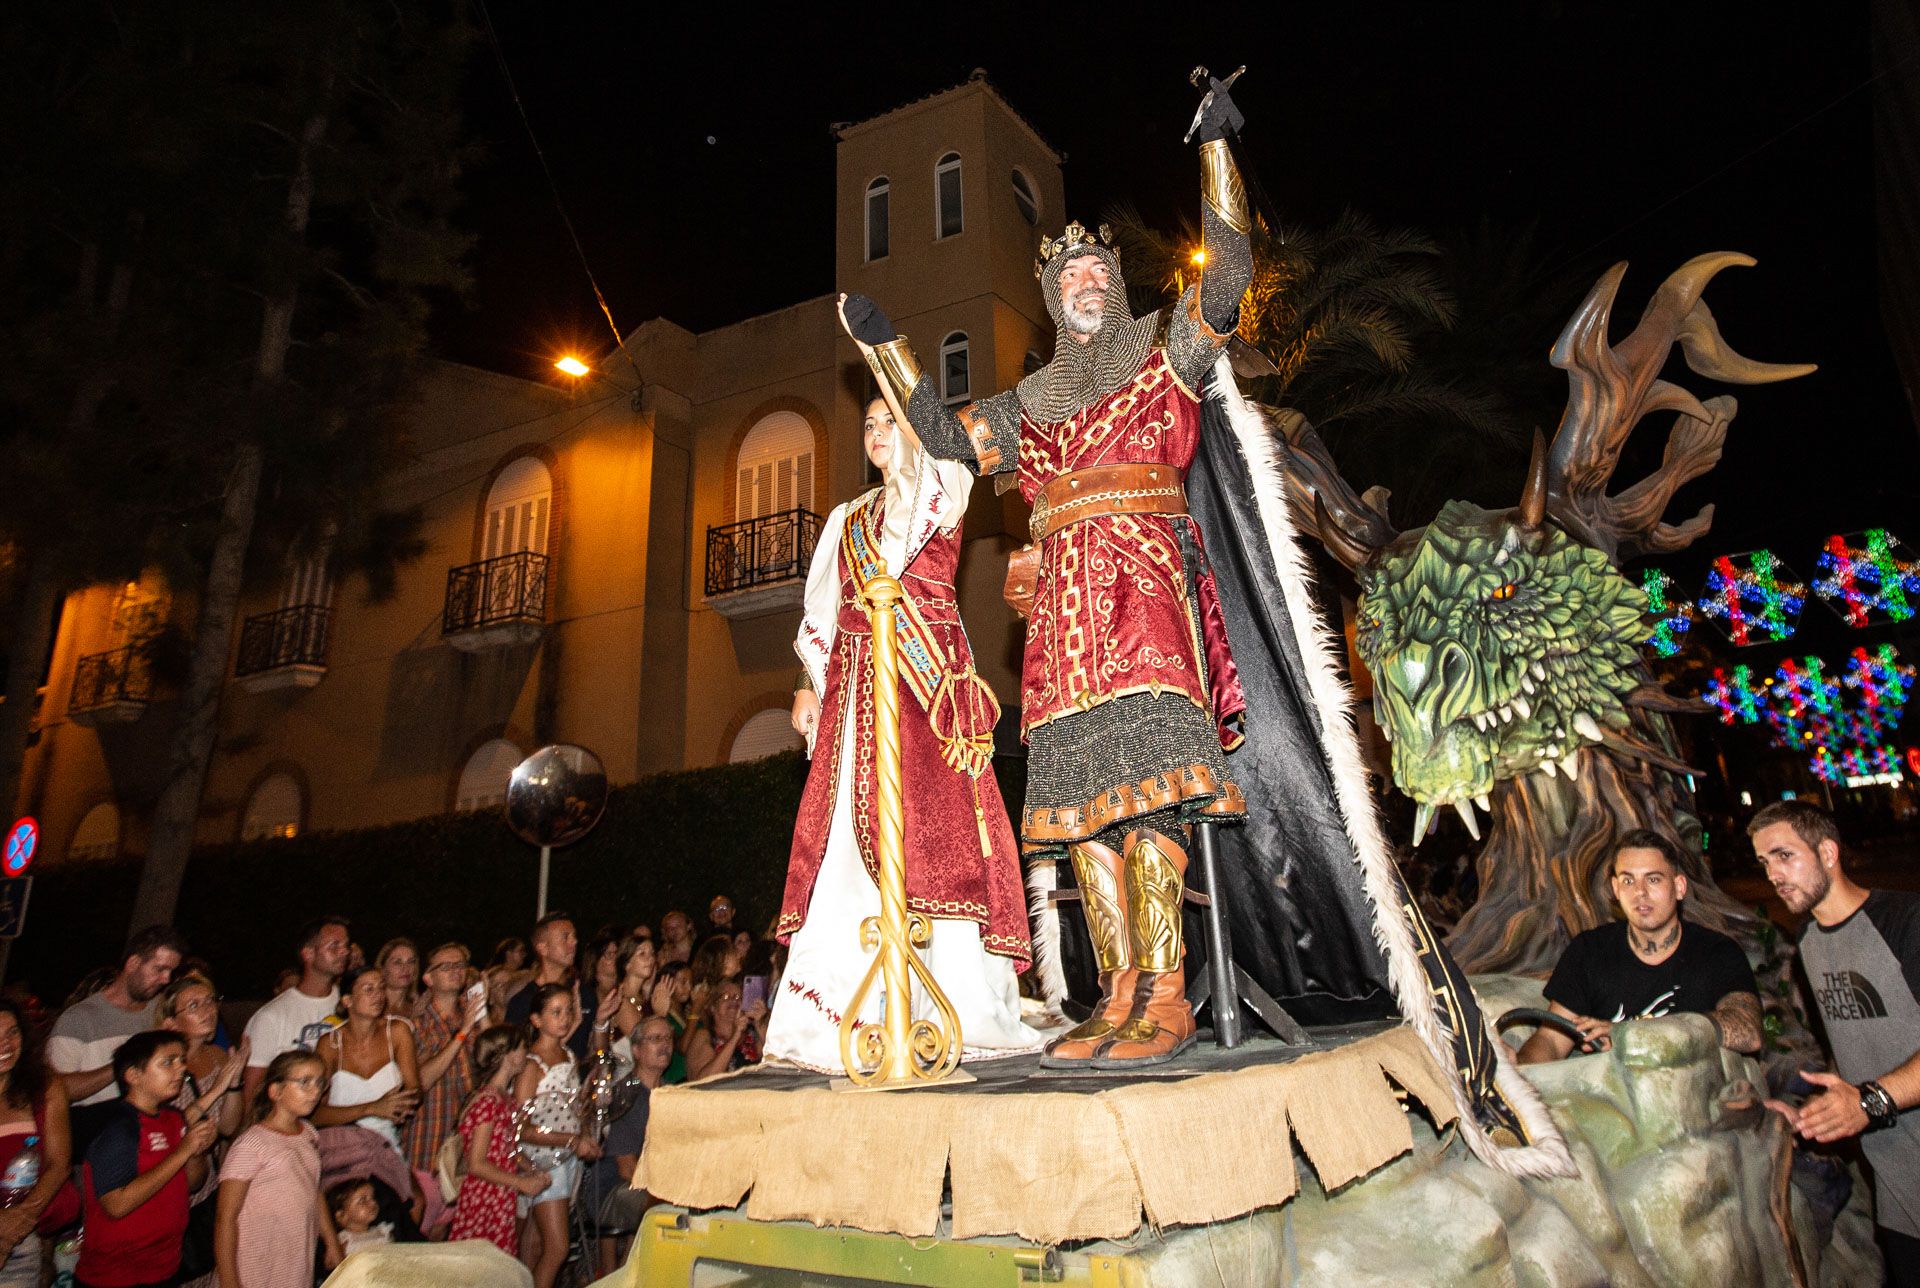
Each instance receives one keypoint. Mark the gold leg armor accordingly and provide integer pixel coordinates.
(1159, 1024)
(1101, 874)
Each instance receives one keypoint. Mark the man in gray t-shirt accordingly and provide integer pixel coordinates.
(1861, 951)
(80, 1047)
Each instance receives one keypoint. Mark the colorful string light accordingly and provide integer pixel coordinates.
(1877, 576)
(1754, 597)
(1671, 621)
(1734, 695)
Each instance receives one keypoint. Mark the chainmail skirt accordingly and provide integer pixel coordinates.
(1133, 762)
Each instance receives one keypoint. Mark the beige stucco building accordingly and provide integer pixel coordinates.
(614, 560)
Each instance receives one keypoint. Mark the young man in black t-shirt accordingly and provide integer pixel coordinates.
(1651, 964)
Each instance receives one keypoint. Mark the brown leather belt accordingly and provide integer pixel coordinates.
(1107, 489)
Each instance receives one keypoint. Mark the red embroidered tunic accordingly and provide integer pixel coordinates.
(1111, 614)
(947, 874)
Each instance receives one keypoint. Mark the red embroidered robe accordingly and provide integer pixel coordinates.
(948, 876)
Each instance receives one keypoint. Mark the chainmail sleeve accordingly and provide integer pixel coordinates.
(984, 435)
(1205, 318)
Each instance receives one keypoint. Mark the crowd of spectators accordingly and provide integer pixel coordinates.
(415, 1096)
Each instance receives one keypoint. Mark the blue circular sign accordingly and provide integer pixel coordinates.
(22, 839)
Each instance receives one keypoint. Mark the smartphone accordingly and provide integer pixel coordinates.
(476, 998)
(753, 991)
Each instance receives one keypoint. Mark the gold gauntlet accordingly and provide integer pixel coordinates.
(895, 367)
(1221, 187)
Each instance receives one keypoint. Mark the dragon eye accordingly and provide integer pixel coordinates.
(1500, 594)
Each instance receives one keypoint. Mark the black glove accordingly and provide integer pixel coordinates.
(1221, 116)
(869, 325)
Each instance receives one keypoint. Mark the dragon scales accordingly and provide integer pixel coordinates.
(1504, 645)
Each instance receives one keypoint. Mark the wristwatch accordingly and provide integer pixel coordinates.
(1877, 1104)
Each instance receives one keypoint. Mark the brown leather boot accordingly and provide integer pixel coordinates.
(1160, 1025)
(1100, 872)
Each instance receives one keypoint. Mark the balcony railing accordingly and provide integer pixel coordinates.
(284, 649)
(111, 687)
(496, 601)
(760, 552)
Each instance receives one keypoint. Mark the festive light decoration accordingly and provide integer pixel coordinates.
(1755, 598)
(1867, 577)
(1824, 766)
(1671, 621)
(1734, 695)
(1882, 680)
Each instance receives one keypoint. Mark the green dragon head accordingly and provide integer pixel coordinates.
(1497, 650)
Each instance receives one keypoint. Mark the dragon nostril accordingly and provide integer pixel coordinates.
(1454, 681)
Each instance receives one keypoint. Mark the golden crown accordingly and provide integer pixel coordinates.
(1072, 238)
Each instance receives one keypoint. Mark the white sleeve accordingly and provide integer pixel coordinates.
(928, 495)
(64, 1054)
(268, 1036)
(820, 609)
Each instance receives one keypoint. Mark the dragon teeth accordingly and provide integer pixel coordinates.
(1586, 727)
(1481, 801)
(1548, 768)
(1526, 683)
(1524, 707)
(1570, 766)
(1422, 822)
(1538, 671)
(1465, 811)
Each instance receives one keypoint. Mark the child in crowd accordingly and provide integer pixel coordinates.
(356, 1215)
(549, 1087)
(140, 1167)
(270, 1206)
(487, 1207)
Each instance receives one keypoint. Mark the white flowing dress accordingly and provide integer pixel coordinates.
(826, 963)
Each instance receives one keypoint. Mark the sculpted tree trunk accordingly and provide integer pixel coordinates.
(197, 724)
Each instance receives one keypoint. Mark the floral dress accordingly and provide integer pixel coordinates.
(485, 1210)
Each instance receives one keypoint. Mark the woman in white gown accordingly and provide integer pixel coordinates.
(962, 862)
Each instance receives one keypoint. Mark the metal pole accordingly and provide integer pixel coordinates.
(546, 855)
(1226, 994)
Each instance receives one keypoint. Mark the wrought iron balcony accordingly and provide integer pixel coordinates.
(759, 566)
(284, 649)
(113, 687)
(496, 602)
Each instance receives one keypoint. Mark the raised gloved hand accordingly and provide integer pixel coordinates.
(1219, 117)
(865, 322)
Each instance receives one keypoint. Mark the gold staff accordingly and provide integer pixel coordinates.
(899, 1051)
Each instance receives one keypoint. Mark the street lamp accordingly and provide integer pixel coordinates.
(572, 365)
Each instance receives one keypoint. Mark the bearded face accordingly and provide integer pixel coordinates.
(1083, 294)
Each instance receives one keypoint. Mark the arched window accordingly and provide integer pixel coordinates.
(877, 218)
(776, 466)
(517, 508)
(947, 218)
(273, 811)
(483, 783)
(954, 381)
(767, 733)
(1026, 198)
(98, 836)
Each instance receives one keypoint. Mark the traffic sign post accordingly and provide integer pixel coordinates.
(14, 892)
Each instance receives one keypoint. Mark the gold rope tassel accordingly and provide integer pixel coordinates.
(899, 1051)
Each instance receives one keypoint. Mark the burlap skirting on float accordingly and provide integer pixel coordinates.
(1048, 1166)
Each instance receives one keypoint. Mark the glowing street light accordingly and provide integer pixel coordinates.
(572, 366)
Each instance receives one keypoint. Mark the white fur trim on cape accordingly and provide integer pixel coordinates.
(1547, 1155)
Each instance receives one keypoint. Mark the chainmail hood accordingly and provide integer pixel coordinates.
(1082, 374)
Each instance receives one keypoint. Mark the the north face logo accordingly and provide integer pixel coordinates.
(1847, 995)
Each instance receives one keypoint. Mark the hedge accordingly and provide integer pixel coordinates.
(670, 841)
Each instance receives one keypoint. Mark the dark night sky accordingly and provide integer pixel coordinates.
(1641, 132)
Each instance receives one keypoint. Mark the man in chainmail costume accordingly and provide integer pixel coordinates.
(1129, 692)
